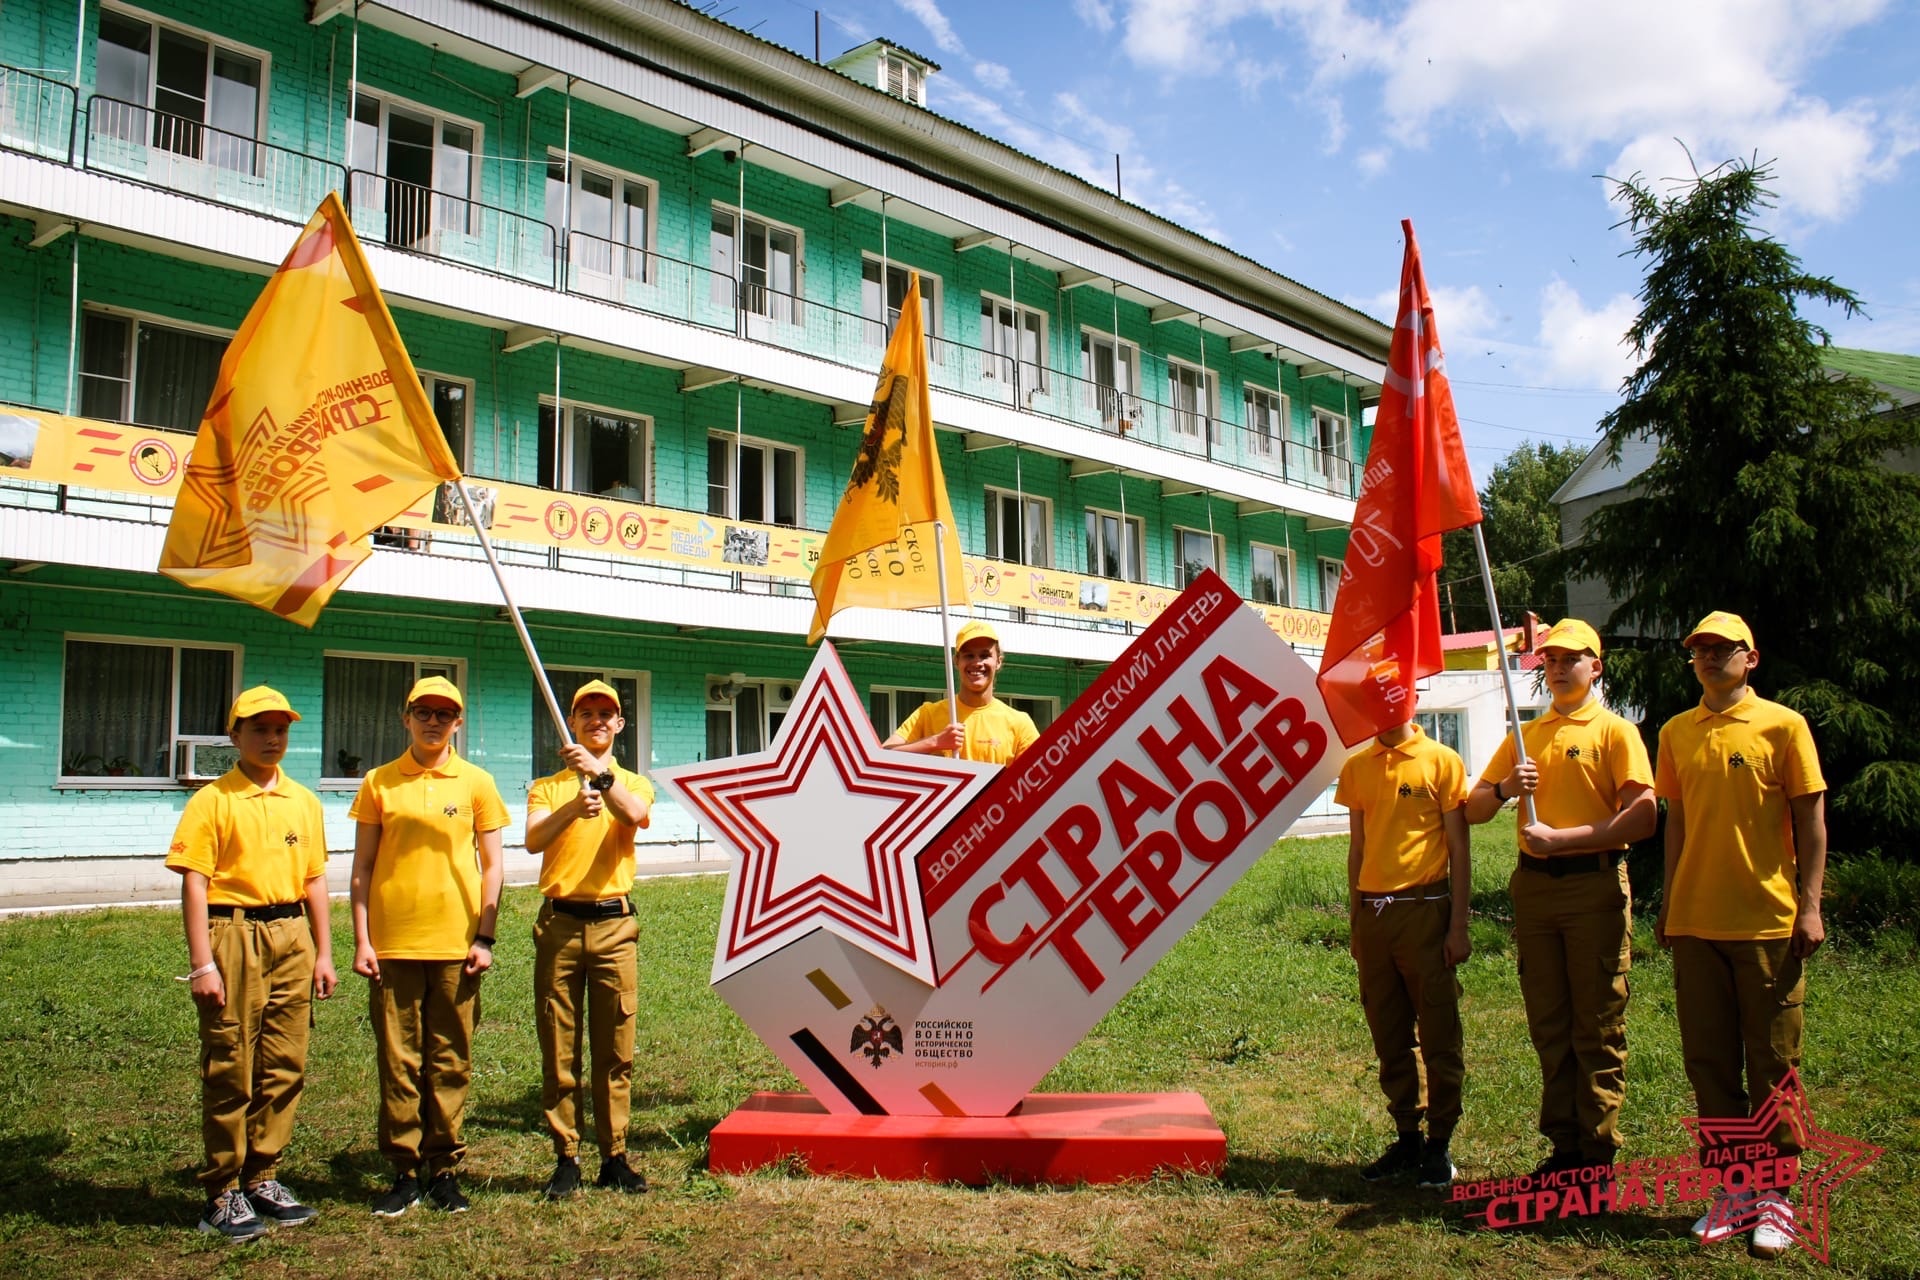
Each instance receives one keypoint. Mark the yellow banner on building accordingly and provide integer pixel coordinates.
(126, 459)
(317, 433)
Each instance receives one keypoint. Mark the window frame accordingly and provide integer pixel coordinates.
(641, 727)
(931, 285)
(1180, 579)
(893, 694)
(1265, 444)
(137, 320)
(1283, 573)
(620, 177)
(1429, 722)
(464, 454)
(387, 102)
(332, 781)
(796, 304)
(995, 494)
(1330, 571)
(1137, 554)
(214, 43)
(799, 453)
(1208, 390)
(140, 782)
(997, 360)
(563, 447)
(712, 705)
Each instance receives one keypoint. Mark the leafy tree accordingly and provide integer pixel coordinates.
(1769, 496)
(1523, 541)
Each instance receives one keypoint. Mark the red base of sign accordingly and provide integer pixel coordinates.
(1062, 1138)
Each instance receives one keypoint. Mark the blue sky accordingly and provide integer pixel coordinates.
(1300, 132)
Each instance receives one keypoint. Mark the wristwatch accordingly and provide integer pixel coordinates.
(602, 781)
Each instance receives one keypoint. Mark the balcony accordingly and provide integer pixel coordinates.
(138, 144)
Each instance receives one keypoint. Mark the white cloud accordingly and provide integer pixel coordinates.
(1095, 13)
(1582, 347)
(993, 75)
(936, 24)
(1373, 161)
(1462, 316)
(1251, 73)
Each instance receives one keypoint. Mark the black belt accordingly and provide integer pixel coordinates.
(1574, 865)
(279, 911)
(605, 909)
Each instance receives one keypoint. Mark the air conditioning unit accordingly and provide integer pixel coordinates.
(780, 696)
(203, 757)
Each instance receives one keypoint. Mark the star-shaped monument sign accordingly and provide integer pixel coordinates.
(910, 948)
(823, 826)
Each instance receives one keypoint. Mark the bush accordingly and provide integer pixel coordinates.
(1871, 899)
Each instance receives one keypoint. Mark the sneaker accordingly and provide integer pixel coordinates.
(229, 1215)
(1436, 1166)
(405, 1194)
(278, 1205)
(1773, 1233)
(1400, 1158)
(444, 1193)
(565, 1180)
(615, 1172)
(1727, 1217)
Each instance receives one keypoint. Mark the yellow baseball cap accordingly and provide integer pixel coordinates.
(1727, 626)
(1570, 633)
(436, 687)
(255, 700)
(975, 631)
(592, 687)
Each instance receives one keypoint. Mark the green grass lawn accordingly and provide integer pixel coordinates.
(1256, 1010)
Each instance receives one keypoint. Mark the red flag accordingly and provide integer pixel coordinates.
(1386, 618)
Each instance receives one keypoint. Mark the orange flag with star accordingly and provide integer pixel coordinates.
(879, 550)
(317, 433)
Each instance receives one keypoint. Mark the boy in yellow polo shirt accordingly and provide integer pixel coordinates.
(251, 851)
(582, 821)
(1746, 848)
(1409, 875)
(1591, 790)
(426, 888)
(989, 730)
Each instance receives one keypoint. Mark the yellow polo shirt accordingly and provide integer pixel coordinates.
(423, 901)
(1585, 757)
(996, 733)
(1733, 772)
(256, 848)
(1401, 792)
(593, 858)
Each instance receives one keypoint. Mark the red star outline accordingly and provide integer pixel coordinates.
(1840, 1159)
(826, 727)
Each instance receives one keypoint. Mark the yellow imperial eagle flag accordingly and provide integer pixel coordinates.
(317, 433)
(879, 550)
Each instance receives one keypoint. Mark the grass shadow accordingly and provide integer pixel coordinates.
(30, 1186)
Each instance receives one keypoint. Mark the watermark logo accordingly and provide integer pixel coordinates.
(1736, 1167)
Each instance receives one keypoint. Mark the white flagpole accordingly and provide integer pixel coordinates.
(1506, 672)
(513, 611)
(946, 617)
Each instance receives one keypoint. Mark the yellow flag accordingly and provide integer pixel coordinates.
(317, 433)
(879, 550)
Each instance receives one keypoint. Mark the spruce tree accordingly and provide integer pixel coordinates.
(1770, 496)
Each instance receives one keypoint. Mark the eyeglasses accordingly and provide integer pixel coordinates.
(434, 715)
(1715, 652)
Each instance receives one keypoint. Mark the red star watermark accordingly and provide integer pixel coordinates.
(1826, 1161)
(824, 826)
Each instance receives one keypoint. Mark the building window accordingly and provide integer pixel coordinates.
(599, 452)
(630, 748)
(743, 714)
(1197, 551)
(1019, 528)
(1113, 370)
(889, 708)
(770, 483)
(452, 401)
(1266, 421)
(611, 215)
(1444, 727)
(879, 329)
(765, 259)
(176, 91)
(903, 79)
(1108, 554)
(1191, 391)
(1271, 574)
(1042, 710)
(1014, 339)
(365, 700)
(418, 168)
(134, 370)
(1333, 461)
(125, 704)
(1329, 583)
